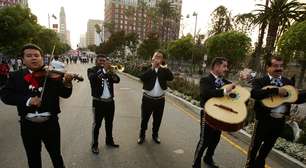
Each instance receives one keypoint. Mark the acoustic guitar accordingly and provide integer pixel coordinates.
(229, 112)
(277, 100)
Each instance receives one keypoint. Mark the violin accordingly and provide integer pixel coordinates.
(55, 74)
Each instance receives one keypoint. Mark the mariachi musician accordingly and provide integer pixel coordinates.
(153, 100)
(210, 86)
(269, 121)
(102, 79)
(37, 101)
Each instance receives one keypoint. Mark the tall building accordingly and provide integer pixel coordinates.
(82, 43)
(68, 37)
(92, 37)
(64, 34)
(138, 16)
(13, 2)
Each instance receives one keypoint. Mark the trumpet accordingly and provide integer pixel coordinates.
(163, 64)
(118, 67)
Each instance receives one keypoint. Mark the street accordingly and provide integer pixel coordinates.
(179, 134)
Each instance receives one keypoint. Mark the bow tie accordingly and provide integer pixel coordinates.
(219, 83)
(276, 82)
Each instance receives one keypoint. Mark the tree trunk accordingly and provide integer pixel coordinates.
(255, 60)
(271, 37)
(301, 76)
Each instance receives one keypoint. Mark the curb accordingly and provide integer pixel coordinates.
(241, 135)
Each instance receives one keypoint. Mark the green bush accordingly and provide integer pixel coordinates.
(186, 87)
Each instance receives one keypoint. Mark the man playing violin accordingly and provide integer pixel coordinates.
(269, 121)
(38, 113)
(102, 79)
(153, 100)
(210, 86)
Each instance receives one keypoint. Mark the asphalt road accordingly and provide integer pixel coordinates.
(179, 134)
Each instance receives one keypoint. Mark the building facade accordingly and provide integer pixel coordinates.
(82, 43)
(64, 34)
(92, 37)
(62, 25)
(139, 16)
(13, 2)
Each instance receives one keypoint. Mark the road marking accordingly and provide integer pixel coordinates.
(179, 151)
(223, 136)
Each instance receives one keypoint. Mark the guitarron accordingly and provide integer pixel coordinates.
(277, 100)
(229, 112)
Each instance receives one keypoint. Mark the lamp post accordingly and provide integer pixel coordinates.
(195, 31)
(195, 26)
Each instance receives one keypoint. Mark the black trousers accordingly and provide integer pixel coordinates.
(49, 133)
(266, 132)
(209, 138)
(149, 106)
(103, 110)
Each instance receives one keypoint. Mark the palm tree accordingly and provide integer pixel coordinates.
(129, 13)
(143, 7)
(152, 19)
(255, 60)
(165, 11)
(279, 16)
(221, 21)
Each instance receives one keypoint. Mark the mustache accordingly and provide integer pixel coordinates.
(278, 71)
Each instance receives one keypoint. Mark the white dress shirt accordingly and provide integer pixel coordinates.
(106, 94)
(157, 91)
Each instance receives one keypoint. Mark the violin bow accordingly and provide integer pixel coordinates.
(47, 73)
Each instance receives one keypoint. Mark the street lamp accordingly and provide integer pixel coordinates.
(196, 21)
(195, 31)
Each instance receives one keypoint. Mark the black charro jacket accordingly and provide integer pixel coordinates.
(149, 77)
(16, 92)
(208, 89)
(97, 83)
(258, 94)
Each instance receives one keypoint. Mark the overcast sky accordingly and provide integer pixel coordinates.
(78, 12)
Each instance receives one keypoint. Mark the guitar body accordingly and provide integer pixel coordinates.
(277, 100)
(227, 113)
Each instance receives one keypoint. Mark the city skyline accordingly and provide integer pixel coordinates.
(78, 13)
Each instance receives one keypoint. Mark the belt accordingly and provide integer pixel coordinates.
(38, 117)
(103, 100)
(154, 98)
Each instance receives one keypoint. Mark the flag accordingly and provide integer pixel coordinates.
(54, 16)
(55, 26)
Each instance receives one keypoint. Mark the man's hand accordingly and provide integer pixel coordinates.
(35, 101)
(67, 80)
(229, 88)
(155, 63)
(282, 92)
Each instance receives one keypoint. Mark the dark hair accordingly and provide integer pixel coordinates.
(101, 56)
(277, 58)
(30, 46)
(55, 57)
(161, 52)
(218, 61)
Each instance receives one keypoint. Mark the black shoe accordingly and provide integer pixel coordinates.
(156, 139)
(112, 144)
(95, 150)
(210, 163)
(141, 140)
